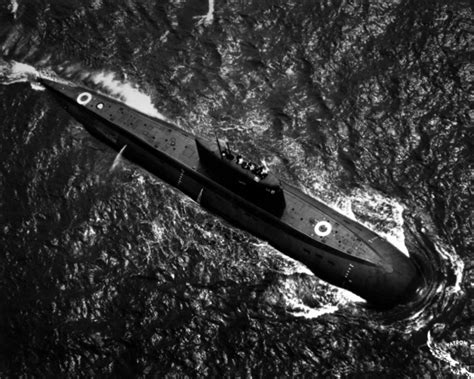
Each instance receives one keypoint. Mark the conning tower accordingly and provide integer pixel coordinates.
(253, 182)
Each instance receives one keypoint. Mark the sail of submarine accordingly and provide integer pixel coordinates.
(334, 247)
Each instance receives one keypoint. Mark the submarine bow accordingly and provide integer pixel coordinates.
(337, 249)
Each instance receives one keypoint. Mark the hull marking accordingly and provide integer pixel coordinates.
(348, 273)
(84, 98)
(323, 228)
(181, 175)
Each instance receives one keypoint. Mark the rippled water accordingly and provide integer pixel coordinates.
(106, 270)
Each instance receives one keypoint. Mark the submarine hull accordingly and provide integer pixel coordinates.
(334, 247)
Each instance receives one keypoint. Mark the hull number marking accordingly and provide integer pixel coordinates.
(348, 273)
(323, 228)
(84, 98)
(181, 175)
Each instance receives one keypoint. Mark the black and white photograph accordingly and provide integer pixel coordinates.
(236, 189)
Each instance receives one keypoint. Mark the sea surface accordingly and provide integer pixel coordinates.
(107, 271)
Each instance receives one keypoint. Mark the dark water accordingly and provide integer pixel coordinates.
(105, 270)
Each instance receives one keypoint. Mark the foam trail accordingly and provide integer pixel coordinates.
(302, 310)
(117, 159)
(385, 216)
(15, 72)
(345, 297)
(130, 94)
(456, 264)
(290, 295)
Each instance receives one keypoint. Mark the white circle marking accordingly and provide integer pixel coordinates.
(323, 228)
(84, 98)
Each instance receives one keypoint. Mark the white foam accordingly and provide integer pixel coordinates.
(456, 263)
(37, 86)
(383, 209)
(347, 297)
(127, 92)
(301, 310)
(439, 352)
(295, 306)
(15, 72)
(13, 7)
(117, 159)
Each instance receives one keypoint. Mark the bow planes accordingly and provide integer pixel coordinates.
(337, 249)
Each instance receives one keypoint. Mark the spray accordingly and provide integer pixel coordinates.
(117, 159)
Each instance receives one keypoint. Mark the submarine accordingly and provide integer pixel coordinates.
(334, 247)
